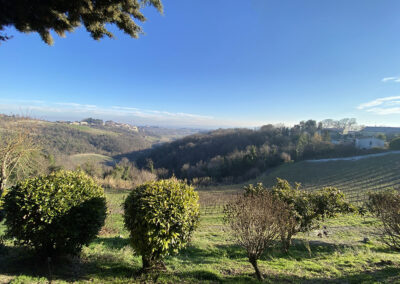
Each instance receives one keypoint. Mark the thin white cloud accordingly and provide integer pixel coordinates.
(75, 105)
(382, 106)
(391, 79)
(385, 111)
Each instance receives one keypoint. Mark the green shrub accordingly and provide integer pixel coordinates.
(55, 214)
(395, 144)
(306, 208)
(160, 217)
(386, 207)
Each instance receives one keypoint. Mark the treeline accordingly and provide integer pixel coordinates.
(236, 155)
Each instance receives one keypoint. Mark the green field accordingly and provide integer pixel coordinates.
(212, 257)
(80, 159)
(354, 177)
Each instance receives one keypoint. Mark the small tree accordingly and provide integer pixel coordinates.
(16, 150)
(255, 221)
(305, 208)
(55, 214)
(386, 206)
(16, 155)
(160, 217)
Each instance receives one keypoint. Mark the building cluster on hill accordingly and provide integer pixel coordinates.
(99, 122)
(121, 125)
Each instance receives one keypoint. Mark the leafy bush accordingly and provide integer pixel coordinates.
(55, 214)
(395, 144)
(386, 206)
(255, 221)
(306, 208)
(126, 175)
(160, 217)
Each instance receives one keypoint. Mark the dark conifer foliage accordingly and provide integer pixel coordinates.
(62, 16)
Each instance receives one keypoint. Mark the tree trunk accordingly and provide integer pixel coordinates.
(286, 243)
(150, 264)
(253, 261)
(145, 263)
(3, 181)
(2, 189)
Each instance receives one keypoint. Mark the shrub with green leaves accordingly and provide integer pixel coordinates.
(306, 208)
(55, 214)
(160, 217)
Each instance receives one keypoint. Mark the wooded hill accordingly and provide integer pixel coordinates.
(236, 155)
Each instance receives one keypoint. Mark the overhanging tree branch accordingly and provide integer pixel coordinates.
(43, 16)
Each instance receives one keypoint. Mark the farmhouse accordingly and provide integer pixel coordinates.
(369, 143)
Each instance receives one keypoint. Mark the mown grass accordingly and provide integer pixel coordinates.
(355, 178)
(212, 257)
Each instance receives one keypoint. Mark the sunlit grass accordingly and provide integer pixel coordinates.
(213, 257)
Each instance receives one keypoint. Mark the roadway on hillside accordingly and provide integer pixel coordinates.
(354, 158)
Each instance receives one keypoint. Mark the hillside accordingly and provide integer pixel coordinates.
(354, 176)
(61, 138)
(237, 155)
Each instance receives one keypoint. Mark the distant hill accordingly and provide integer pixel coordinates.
(354, 177)
(64, 138)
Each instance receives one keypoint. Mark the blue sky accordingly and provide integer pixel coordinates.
(218, 63)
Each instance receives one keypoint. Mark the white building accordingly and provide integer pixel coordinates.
(369, 143)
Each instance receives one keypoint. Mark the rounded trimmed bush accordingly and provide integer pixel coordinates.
(55, 214)
(160, 217)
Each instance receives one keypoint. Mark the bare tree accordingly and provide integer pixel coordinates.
(386, 207)
(16, 150)
(255, 221)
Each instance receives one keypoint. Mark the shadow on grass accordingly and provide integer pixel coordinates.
(110, 267)
(300, 250)
(19, 261)
(388, 274)
(199, 275)
(196, 255)
(112, 243)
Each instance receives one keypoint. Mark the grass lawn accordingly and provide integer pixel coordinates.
(212, 257)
